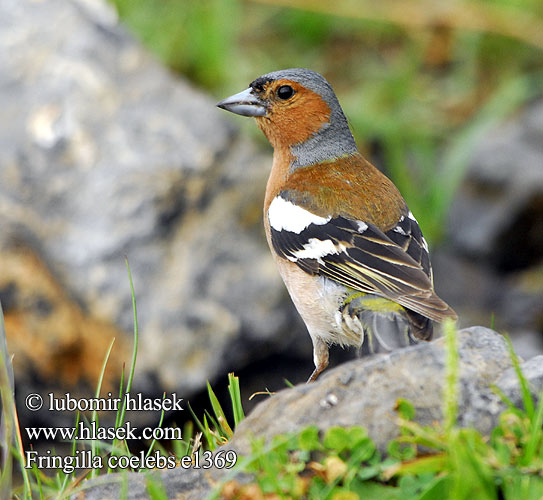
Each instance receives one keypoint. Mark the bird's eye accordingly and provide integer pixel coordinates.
(285, 92)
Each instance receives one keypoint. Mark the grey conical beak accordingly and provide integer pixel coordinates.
(245, 103)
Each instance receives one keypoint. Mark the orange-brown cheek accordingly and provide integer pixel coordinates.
(294, 124)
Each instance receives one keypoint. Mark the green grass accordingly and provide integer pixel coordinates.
(215, 429)
(420, 84)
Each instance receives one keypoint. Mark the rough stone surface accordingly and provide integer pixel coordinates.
(103, 153)
(364, 392)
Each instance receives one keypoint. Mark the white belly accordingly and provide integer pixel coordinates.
(319, 301)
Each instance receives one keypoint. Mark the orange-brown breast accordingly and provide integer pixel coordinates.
(351, 187)
(282, 159)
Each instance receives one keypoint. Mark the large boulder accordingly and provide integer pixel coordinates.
(104, 153)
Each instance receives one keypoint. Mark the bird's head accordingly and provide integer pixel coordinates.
(296, 108)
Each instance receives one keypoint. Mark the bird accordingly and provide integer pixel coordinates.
(349, 250)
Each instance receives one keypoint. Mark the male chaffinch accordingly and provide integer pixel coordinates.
(347, 247)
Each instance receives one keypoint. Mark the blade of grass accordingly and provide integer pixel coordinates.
(204, 428)
(524, 387)
(431, 463)
(209, 435)
(19, 440)
(450, 399)
(94, 417)
(155, 487)
(219, 413)
(135, 349)
(7, 426)
(181, 448)
(503, 397)
(10, 426)
(267, 392)
(421, 436)
(121, 396)
(74, 446)
(535, 439)
(288, 383)
(37, 477)
(470, 472)
(214, 424)
(121, 414)
(235, 396)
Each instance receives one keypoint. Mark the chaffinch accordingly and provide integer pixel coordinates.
(349, 250)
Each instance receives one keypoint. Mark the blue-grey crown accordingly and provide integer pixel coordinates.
(306, 77)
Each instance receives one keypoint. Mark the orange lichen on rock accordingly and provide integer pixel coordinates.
(48, 333)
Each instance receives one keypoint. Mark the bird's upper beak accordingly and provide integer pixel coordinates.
(244, 103)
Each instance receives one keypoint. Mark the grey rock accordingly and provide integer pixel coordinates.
(512, 302)
(499, 212)
(364, 392)
(103, 153)
(527, 343)
(521, 300)
(496, 227)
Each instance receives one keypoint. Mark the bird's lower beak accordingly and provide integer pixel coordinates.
(245, 103)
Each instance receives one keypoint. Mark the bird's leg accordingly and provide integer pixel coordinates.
(320, 358)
